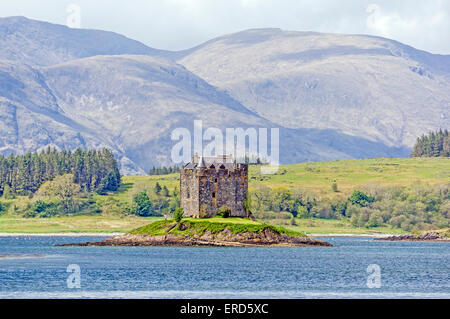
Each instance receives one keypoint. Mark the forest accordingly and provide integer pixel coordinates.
(435, 144)
(92, 170)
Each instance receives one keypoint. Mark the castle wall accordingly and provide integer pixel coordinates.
(189, 192)
(210, 189)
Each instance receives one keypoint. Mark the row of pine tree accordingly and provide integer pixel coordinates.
(93, 170)
(164, 170)
(435, 144)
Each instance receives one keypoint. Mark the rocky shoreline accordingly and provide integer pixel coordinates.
(267, 237)
(425, 237)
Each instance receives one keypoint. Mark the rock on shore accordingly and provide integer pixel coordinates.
(432, 236)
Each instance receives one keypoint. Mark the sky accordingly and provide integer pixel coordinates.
(182, 24)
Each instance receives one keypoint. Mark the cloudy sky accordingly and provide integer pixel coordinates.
(181, 24)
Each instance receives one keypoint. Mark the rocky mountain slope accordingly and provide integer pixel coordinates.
(360, 85)
(332, 96)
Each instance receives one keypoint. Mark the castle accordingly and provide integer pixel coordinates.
(209, 183)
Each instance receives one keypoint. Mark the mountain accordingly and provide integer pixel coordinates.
(131, 104)
(73, 88)
(360, 85)
(41, 43)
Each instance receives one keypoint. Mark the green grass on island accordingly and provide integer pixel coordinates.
(108, 213)
(213, 225)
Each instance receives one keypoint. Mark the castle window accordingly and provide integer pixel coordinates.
(187, 194)
(213, 195)
(215, 181)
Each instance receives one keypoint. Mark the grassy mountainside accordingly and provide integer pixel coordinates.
(352, 174)
(109, 212)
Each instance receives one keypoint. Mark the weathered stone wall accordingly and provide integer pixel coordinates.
(189, 192)
(204, 191)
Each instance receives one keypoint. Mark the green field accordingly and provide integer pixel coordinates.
(73, 224)
(352, 174)
(316, 177)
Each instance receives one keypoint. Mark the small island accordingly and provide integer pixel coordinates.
(216, 231)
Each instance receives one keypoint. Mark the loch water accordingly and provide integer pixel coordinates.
(33, 267)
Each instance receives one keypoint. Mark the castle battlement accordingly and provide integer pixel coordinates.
(209, 183)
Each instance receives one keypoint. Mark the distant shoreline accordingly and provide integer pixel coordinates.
(118, 234)
(60, 234)
(350, 235)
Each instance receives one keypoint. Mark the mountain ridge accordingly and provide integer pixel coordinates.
(116, 92)
(330, 68)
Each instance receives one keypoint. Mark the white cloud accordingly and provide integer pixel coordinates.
(427, 28)
(180, 24)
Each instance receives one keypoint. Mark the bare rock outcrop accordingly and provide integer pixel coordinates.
(431, 236)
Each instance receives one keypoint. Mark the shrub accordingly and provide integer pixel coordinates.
(178, 214)
(3, 208)
(302, 212)
(39, 206)
(339, 208)
(43, 209)
(158, 188)
(50, 211)
(323, 210)
(64, 190)
(165, 191)
(361, 199)
(7, 193)
(142, 206)
(266, 215)
(334, 187)
(224, 212)
(374, 221)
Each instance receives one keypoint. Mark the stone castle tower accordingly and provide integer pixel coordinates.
(208, 183)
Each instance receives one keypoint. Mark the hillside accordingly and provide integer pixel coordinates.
(361, 85)
(333, 97)
(349, 175)
(411, 180)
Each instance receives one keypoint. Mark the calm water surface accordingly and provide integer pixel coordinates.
(32, 267)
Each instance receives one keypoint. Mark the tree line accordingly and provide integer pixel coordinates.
(92, 170)
(411, 208)
(435, 144)
(164, 170)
